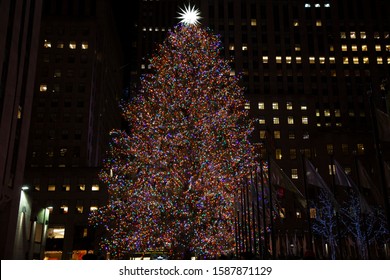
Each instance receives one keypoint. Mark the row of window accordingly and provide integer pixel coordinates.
(58, 58)
(360, 150)
(47, 44)
(332, 60)
(63, 207)
(68, 188)
(56, 88)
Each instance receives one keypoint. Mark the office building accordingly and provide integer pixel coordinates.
(76, 103)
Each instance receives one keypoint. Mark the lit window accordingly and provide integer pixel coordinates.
(19, 112)
(60, 45)
(64, 208)
(82, 187)
(355, 60)
(337, 113)
(322, 60)
(344, 48)
(56, 233)
(43, 87)
(329, 149)
(343, 35)
(245, 47)
(353, 34)
(297, 48)
(318, 113)
(261, 105)
(278, 59)
(72, 45)
(388, 60)
(288, 59)
(79, 209)
(327, 5)
(95, 188)
(276, 120)
(388, 48)
(298, 214)
(47, 44)
(332, 60)
(262, 134)
(231, 47)
(345, 60)
(305, 120)
(51, 188)
(144, 29)
(306, 136)
(277, 134)
(275, 105)
(376, 35)
(66, 188)
(318, 23)
(303, 107)
(366, 60)
(312, 60)
(364, 48)
(232, 72)
(278, 153)
(331, 48)
(261, 120)
(294, 173)
(307, 5)
(379, 60)
(293, 153)
(313, 213)
(265, 59)
(289, 106)
(63, 151)
(354, 48)
(299, 59)
(290, 120)
(317, 5)
(253, 22)
(84, 45)
(247, 105)
(296, 22)
(94, 206)
(378, 48)
(360, 149)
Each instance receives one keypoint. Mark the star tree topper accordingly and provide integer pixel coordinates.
(189, 15)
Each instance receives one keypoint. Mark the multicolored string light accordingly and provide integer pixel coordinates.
(173, 178)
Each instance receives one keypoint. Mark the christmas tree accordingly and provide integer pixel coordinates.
(173, 177)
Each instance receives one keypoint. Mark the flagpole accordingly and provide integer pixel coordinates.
(253, 214)
(264, 210)
(361, 212)
(258, 211)
(332, 164)
(271, 209)
(248, 216)
(310, 247)
(379, 155)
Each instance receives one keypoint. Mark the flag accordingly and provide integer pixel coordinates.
(315, 179)
(342, 179)
(383, 121)
(367, 183)
(281, 179)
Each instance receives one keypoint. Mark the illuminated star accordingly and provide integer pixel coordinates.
(189, 15)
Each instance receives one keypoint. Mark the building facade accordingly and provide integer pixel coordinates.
(19, 29)
(76, 103)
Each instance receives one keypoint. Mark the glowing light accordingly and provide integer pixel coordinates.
(189, 15)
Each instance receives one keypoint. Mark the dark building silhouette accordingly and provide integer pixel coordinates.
(19, 32)
(76, 103)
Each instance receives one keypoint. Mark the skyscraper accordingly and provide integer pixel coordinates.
(76, 103)
(19, 29)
